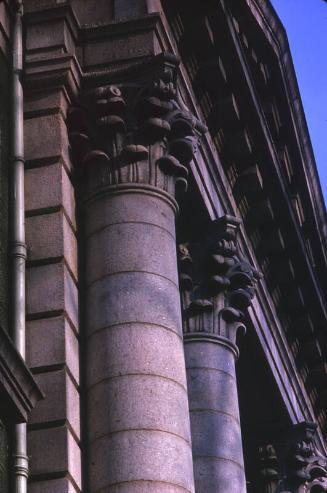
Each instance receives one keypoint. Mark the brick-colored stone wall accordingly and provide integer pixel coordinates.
(52, 308)
(52, 277)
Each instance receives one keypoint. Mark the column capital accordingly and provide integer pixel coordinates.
(269, 473)
(306, 466)
(134, 130)
(298, 466)
(217, 284)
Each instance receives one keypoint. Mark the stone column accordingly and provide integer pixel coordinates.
(138, 415)
(217, 288)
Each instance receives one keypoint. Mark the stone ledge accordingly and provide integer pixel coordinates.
(19, 392)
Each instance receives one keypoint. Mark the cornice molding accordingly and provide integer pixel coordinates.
(275, 33)
(19, 392)
(56, 71)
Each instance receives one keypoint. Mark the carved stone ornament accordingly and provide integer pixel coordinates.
(217, 283)
(135, 132)
(307, 467)
(302, 467)
(268, 469)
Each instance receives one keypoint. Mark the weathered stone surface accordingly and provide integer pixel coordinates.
(51, 288)
(129, 297)
(132, 208)
(153, 251)
(151, 402)
(225, 445)
(218, 476)
(45, 103)
(46, 140)
(212, 390)
(141, 455)
(52, 486)
(61, 402)
(50, 236)
(120, 350)
(49, 187)
(104, 52)
(93, 11)
(60, 453)
(51, 342)
(204, 355)
(142, 486)
(49, 36)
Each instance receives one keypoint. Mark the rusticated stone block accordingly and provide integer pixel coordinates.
(54, 452)
(111, 50)
(50, 236)
(34, 5)
(49, 187)
(51, 288)
(51, 101)
(61, 400)
(53, 486)
(46, 140)
(49, 35)
(52, 342)
(96, 10)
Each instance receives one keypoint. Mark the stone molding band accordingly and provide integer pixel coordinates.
(127, 188)
(212, 338)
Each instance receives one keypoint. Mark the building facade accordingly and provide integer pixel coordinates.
(176, 251)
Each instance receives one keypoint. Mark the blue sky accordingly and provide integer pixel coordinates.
(306, 25)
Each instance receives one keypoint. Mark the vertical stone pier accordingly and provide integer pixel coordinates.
(138, 416)
(217, 288)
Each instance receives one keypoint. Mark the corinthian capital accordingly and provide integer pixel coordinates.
(217, 283)
(136, 131)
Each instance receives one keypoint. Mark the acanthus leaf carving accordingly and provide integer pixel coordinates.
(220, 282)
(299, 466)
(307, 467)
(268, 469)
(135, 132)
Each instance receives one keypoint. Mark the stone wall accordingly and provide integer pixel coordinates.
(52, 278)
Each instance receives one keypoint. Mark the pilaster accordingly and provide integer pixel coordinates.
(51, 81)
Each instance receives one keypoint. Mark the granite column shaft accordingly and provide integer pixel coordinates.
(139, 436)
(217, 286)
(215, 421)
